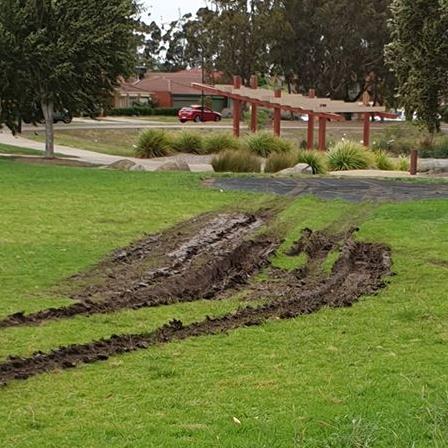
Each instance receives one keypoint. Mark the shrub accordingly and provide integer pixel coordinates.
(153, 143)
(188, 142)
(136, 111)
(315, 159)
(215, 142)
(383, 162)
(132, 111)
(263, 117)
(236, 162)
(264, 143)
(166, 111)
(279, 161)
(403, 163)
(347, 155)
(437, 148)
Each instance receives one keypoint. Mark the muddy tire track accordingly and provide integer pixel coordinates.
(217, 257)
(361, 269)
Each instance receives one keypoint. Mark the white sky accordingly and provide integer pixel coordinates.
(169, 9)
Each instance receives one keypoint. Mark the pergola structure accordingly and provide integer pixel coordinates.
(317, 109)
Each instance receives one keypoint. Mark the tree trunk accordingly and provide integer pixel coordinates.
(48, 111)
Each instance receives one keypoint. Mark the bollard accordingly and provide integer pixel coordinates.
(414, 162)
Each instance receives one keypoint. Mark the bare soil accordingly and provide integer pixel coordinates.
(195, 261)
(360, 269)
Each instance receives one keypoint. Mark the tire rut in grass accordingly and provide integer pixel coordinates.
(210, 258)
(361, 269)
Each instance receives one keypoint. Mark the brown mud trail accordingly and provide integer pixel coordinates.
(360, 269)
(212, 255)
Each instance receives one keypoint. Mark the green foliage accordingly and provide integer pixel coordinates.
(153, 143)
(348, 155)
(137, 111)
(436, 148)
(265, 143)
(262, 118)
(188, 142)
(417, 55)
(279, 161)
(403, 163)
(383, 161)
(240, 161)
(217, 142)
(317, 160)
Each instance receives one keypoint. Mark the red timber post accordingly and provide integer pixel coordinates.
(236, 108)
(277, 114)
(322, 133)
(414, 163)
(310, 133)
(254, 108)
(366, 134)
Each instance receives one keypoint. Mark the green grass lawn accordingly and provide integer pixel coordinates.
(370, 376)
(15, 150)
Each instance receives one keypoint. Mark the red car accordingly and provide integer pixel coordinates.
(198, 114)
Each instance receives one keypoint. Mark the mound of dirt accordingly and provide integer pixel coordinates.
(360, 269)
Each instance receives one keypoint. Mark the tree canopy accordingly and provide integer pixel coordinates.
(59, 54)
(418, 56)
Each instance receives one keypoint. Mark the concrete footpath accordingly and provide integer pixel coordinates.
(196, 163)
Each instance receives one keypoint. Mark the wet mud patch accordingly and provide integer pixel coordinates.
(361, 269)
(198, 260)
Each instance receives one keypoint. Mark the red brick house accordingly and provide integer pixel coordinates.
(166, 90)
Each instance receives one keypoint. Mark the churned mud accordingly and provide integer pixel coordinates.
(361, 268)
(199, 261)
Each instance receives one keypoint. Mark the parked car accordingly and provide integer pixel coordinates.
(198, 114)
(60, 115)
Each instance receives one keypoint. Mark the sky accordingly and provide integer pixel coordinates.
(169, 9)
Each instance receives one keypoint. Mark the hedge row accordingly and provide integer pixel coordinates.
(138, 111)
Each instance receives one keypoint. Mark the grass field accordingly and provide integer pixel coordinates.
(370, 376)
(15, 150)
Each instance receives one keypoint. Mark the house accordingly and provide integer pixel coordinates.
(166, 90)
(129, 94)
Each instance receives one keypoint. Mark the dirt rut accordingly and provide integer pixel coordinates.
(217, 256)
(361, 269)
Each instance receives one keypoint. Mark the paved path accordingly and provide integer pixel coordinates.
(196, 163)
(349, 189)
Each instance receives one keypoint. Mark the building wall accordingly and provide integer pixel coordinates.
(163, 99)
(179, 101)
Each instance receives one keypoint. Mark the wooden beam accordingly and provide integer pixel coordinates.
(322, 133)
(277, 115)
(310, 132)
(254, 107)
(366, 133)
(236, 108)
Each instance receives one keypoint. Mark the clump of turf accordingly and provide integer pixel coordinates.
(188, 142)
(217, 142)
(348, 155)
(232, 161)
(153, 143)
(264, 143)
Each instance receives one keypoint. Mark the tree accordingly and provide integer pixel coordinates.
(334, 46)
(418, 57)
(231, 37)
(71, 55)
